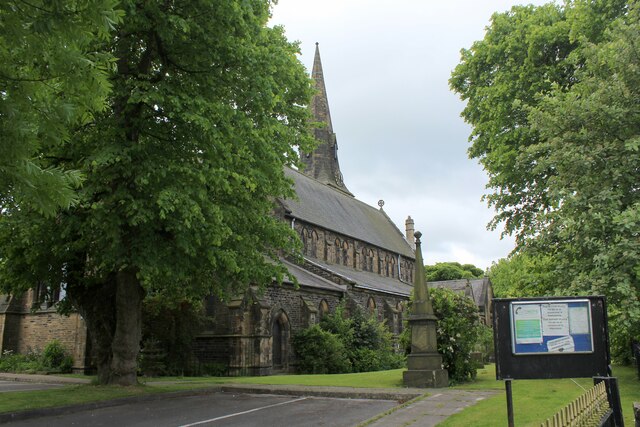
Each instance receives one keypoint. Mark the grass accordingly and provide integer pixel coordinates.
(536, 400)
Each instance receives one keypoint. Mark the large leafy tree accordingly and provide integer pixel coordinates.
(552, 96)
(590, 135)
(182, 172)
(51, 80)
(523, 275)
(526, 52)
(452, 271)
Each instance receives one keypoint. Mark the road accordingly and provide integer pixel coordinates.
(225, 409)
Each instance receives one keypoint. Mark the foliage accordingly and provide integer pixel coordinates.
(53, 359)
(56, 358)
(552, 96)
(182, 173)
(51, 80)
(360, 343)
(369, 342)
(526, 52)
(320, 352)
(590, 134)
(523, 275)
(458, 330)
(452, 271)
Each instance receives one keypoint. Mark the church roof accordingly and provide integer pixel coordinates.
(368, 280)
(307, 278)
(477, 289)
(326, 207)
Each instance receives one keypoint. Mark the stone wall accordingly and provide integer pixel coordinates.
(24, 331)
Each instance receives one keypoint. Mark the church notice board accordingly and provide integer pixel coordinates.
(559, 337)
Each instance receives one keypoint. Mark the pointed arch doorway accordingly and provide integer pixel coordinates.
(280, 334)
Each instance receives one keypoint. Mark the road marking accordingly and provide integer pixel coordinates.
(244, 412)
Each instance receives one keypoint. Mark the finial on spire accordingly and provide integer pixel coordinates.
(417, 235)
(381, 203)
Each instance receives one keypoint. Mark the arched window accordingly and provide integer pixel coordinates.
(312, 249)
(371, 306)
(392, 266)
(345, 253)
(338, 255)
(323, 309)
(400, 308)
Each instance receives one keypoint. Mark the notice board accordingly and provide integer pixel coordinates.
(559, 337)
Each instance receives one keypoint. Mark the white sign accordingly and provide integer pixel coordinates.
(555, 319)
(561, 345)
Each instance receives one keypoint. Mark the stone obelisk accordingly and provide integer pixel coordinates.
(424, 363)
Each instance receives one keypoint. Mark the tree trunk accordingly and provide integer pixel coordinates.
(113, 313)
(128, 329)
(95, 305)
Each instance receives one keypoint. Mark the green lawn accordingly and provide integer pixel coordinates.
(536, 400)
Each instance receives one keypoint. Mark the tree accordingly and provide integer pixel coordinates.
(523, 275)
(51, 80)
(526, 52)
(552, 94)
(590, 134)
(452, 271)
(182, 173)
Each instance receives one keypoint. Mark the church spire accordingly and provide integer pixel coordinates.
(322, 164)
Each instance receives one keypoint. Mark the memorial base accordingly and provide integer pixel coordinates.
(427, 378)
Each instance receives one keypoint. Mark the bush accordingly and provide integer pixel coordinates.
(320, 352)
(360, 342)
(56, 359)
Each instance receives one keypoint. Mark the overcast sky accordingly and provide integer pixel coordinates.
(400, 135)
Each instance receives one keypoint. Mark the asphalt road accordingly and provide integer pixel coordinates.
(225, 409)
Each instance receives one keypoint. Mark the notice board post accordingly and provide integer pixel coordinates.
(551, 337)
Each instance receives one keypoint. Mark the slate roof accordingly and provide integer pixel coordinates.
(366, 279)
(477, 287)
(307, 278)
(328, 208)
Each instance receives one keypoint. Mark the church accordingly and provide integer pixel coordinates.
(353, 253)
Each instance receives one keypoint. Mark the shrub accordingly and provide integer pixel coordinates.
(364, 344)
(56, 359)
(320, 352)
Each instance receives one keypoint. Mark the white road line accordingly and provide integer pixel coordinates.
(244, 412)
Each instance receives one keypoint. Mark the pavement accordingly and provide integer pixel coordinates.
(416, 407)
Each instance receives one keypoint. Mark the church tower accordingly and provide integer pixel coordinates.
(322, 164)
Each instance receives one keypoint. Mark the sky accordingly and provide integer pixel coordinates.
(400, 136)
